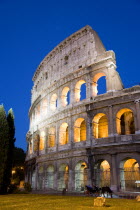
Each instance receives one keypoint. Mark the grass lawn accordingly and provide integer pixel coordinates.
(39, 202)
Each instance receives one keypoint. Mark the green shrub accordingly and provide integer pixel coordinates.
(27, 187)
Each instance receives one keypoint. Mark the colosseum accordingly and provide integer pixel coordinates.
(77, 136)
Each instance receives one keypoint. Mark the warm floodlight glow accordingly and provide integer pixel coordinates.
(42, 140)
(125, 122)
(80, 130)
(100, 126)
(51, 137)
(63, 134)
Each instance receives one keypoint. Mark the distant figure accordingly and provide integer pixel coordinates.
(64, 191)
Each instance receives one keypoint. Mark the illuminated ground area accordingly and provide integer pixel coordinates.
(61, 202)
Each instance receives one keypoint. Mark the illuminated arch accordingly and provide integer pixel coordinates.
(51, 137)
(40, 177)
(125, 122)
(80, 176)
(80, 130)
(36, 140)
(42, 140)
(129, 175)
(53, 102)
(63, 134)
(100, 126)
(49, 177)
(79, 92)
(65, 96)
(95, 83)
(102, 173)
(63, 176)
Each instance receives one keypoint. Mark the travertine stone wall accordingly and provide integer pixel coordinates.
(73, 136)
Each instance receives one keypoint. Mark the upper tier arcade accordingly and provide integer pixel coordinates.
(81, 59)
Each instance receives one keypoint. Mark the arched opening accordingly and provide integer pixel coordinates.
(63, 177)
(33, 179)
(51, 137)
(36, 142)
(44, 107)
(129, 175)
(40, 178)
(80, 130)
(63, 134)
(65, 97)
(80, 90)
(49, 182)
(102, 84)
(53, 102)
(102, 174)
(125, 122)
(42, 141)
(100, 126)
(80, 176)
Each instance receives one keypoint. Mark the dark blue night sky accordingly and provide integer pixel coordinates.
(29, 29)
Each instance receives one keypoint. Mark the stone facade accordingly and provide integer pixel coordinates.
(77, 137)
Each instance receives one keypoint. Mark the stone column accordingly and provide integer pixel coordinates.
(113, 174)
(89, 180)
(110, 75)
(59, 102)
(89, 131)
(57, 137)
(71, 180)
(137, 126)
(55, 177)
(88, 87)
(36, 176)
(94, 89)
(90, 169)
(72, 95)
(110, 122)
(71, 132)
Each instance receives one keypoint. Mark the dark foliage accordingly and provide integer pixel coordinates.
(7, 132)
(10, 120)
(27, 187)
(18, 157)
(4, 148)
(12, 188)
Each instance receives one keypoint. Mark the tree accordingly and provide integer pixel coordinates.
(10, 120)
(4, 148)
(18, 157)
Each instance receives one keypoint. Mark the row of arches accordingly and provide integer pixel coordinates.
(80, 93)
(46, 178)
(49, 178)
(128, 174)
(100, 129)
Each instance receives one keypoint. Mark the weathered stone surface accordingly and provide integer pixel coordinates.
(99, 201)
